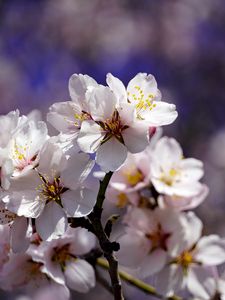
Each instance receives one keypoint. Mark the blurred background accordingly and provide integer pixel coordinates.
(181, 42)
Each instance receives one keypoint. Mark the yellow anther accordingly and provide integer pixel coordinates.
(122, 200)
(133, 177)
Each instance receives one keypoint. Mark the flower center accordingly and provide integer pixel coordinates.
(51, 190)
(80, 117)
(61, 255)
(158, 238)
(133, 177)
(142, 101)
(170, 177)
(184, 260)
(122, 200)
(113, 127)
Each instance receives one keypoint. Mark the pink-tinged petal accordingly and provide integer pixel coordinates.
(133, 249)
(19, 239)
(85, 241)
(161, 114)
(80, 275)
(195, 282)
(79, 84)
(210, 250)
(102, 103)
(52, 223)
(52, 159)
(90, 136)
(78, 168)
(62, 116)
(136, 138)
(78, 203)
(117, 87)
(111, 155)
(153, 263)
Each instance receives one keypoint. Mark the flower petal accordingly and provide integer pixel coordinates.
(52, 223)
(79, 275)
(78, 203)
(111, 155)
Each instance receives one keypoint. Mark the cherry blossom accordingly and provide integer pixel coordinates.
(142, 93)
(171, 174)
(56, 183)
(61, 260)
(191, 259)
(149, 237)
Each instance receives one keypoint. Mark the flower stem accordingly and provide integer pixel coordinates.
(147, 288)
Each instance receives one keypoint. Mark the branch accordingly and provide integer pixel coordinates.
(105, 244)
(141, 285)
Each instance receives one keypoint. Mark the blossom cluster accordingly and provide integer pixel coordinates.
(47, 181)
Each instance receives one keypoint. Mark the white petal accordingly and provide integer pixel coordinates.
(170, 280)
(52, 223)
(161, 114)
(79, 84)
(102, 103)
(52, 159)
(111, 155)
(192, 169)
(153, 263)
(146, 83)
(117, 87)
(78, 203)
(19, 240)
(168, 151)
(24, 203)
(133, 249)
(193, 229)
(79, 275)
(84, 241)
(78, 168)
(90, 136)
(136, 138)
(195, 279)
(62, 116)
(210, 250)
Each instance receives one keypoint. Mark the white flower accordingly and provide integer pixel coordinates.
(191, 260)
(24, 146)
(62, 263)
(21, 271)
(53, 191)
(143, 94)
(67, 116)
(149, 237)
(171, 174)
(112, 129)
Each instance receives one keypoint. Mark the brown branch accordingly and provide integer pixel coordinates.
(106, 245)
